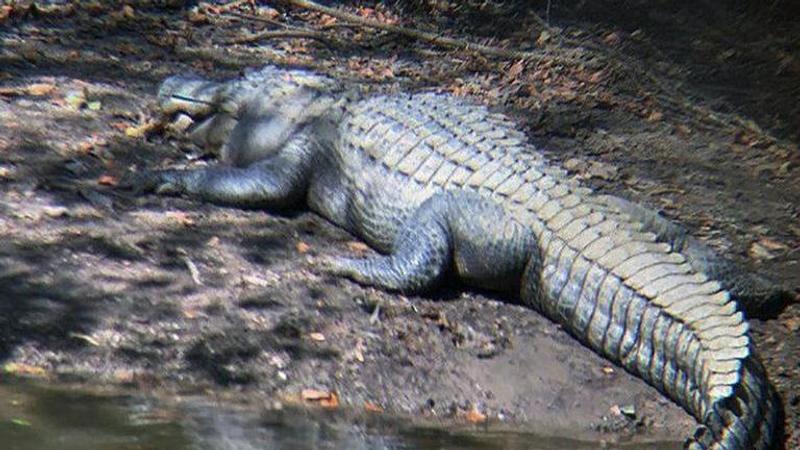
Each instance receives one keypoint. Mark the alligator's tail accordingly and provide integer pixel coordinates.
(750, 418)
(665, 323)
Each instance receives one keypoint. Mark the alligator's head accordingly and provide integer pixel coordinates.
(209, 110)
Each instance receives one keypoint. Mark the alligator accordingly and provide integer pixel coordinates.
(440, 186)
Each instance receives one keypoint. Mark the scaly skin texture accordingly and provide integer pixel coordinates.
(438, 184)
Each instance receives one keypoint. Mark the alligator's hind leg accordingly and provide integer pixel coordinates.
(460, 230)
(278, 181)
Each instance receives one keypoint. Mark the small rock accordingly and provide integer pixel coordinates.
(76, 99)
(602, 171)
(255, 280)
(319, 337)
(628, 410)
(575, 165)
(55, 211)
(783, 170)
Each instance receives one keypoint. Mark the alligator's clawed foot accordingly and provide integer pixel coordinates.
(354, 269)
(153, 181)
(335, 266)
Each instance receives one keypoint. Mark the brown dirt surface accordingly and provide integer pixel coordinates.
(684, 106)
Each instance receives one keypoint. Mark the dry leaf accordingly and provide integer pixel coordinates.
(769, 244)
(119, 126)
(326, 20)
(141, 130)
(180, 217)
(792, 323)
(613, 38)
(325, 399)
(385, 74)
(766, 249)
(196, 17)
(312, 395)
(123, 376)
(40, 89)
(655, 116)
(5, 11)
(269, 13)
(128, 12)
(372, 407)
(475, 416)
(515, 69)
(9, 91)
(683, 129)
(608, 370)
(107, 180)
(359, 248)
(330, 402)
(85, 146)
(366, 12)
(91, 143)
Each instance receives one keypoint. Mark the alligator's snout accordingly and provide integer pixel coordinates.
(192, 96)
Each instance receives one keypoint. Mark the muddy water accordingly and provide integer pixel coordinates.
(36, 417)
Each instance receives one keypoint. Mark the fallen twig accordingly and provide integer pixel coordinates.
(276, 34)
(193, 271)
(234, 4)
(251, 17)
(419, 34)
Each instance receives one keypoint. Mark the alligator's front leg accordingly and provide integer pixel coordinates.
(459, 231)
(278, 181)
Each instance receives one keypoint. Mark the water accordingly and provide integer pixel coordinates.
(35, 417)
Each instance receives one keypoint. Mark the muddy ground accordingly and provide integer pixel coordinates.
(688, 108)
